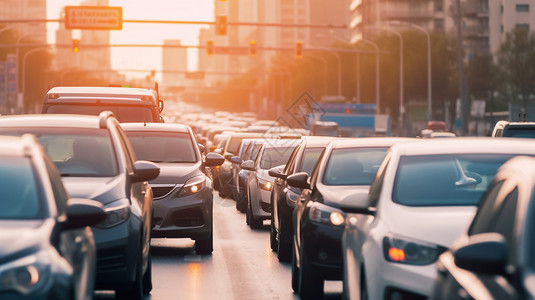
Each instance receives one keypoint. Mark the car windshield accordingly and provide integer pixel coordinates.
(122, 113)
(20, 196)
(442, 180)
(163, 147)
(353, 166)
(78, 153)
(275, 156)
(520, 132)
(309, 159)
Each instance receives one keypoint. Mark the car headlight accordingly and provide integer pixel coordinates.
(27, 274)
(408, 251)
(265, 185)
(192, 186)
(116, 213)
(327, 215)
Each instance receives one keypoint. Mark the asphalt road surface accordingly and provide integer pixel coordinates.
(242, 265)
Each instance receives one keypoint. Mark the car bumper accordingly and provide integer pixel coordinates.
(262, 207)
(391, 280)
(183, 217)
(322, 248)
(117, 254)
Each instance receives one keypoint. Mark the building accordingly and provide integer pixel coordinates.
(174, 63)
(25, 9)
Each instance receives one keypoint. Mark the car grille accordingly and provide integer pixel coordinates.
(161, 191)
(111, 259)
(190, 217)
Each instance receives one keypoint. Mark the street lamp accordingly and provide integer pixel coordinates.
(377, 77)
(325, 75)
(429, 85)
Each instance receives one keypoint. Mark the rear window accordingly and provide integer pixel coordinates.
(20, 191)
(353, 166)
(123, 113)
(442, 180)
(163, 147)
(519, 132)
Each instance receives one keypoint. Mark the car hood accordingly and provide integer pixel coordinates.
(176, 173)
(21, 238)
(440, 225)
(344, 196)
(102, 189)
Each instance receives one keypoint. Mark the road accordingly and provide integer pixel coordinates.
(242, 265)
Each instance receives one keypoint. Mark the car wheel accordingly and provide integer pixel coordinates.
(135, 292)
(284, 244)
(147, 277)
(241, 202)
(254, 223)
(206, 245)
(310, 283)
(295, 272)
(247, 210)
(272, 235)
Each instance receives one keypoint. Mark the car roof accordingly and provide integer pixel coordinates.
(369, 142)
(317, 141)
(171, 127)
(13, 146)
(466, 145)
(519, 124)
(100, 91)
(50, 120)
(277, 143)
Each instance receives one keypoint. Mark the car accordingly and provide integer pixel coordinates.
(127, 104)
(424, 196)
(96, 161)
(259, 182)
(341, 179)
(514, 129)
(47, 250)
(240, 189)
(226, 182)
(183, 200)
(493, 259)
(235, 167)
(283, 197)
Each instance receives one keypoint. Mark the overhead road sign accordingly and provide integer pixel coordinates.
(94, 17)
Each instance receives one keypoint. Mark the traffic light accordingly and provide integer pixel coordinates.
(209, 47)
(299, 49)
(75, 45)
(252, 50)
(221, 25)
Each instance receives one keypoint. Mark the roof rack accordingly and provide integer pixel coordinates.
(103, 118)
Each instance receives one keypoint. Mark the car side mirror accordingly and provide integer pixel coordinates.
(484, 253)
(277, 172)
(202, 148)
(236, 160)
(248, 165)
(83, 212)
(213, 159)
(299, 180)
(145, 171)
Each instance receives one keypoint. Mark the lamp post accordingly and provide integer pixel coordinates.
(23, 68)
(429, 85)
(324, 61)
(377, 75)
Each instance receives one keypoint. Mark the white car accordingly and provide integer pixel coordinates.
(424, 196)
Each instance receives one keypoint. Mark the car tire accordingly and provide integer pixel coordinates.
(254, 223)
(206, 245)
(272, 234)
(284, 244)
(310, 283)
(241, 202)
(147, 277)
(135, 289)
(295, 272)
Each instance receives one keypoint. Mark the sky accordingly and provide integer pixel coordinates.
(132, 33)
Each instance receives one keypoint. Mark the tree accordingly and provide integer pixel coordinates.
(516, 59)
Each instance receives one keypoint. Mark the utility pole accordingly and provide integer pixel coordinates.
(465, 105)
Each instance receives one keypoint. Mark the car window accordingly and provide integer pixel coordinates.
(130, 156)
(291, 160)
(60, 194)
(309, 159)
(163, 147)
(122, 113)
(315, 171)
(353, 166)
(377, 184)
(485, 211)
(247, 151)
(256, 150)
(504, 222)
(519, 132)
(272, 157)
(452, 179)
(20, 190)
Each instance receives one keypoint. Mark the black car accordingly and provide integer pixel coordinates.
(183, 200)
(342, 176)
(96, 161)
(240, 187)
(46, 249)
(284, 197)
(494, 259)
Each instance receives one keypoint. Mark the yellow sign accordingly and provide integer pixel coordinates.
(94, 17)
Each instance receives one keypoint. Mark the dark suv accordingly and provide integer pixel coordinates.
(127, 104)
(96, 161)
